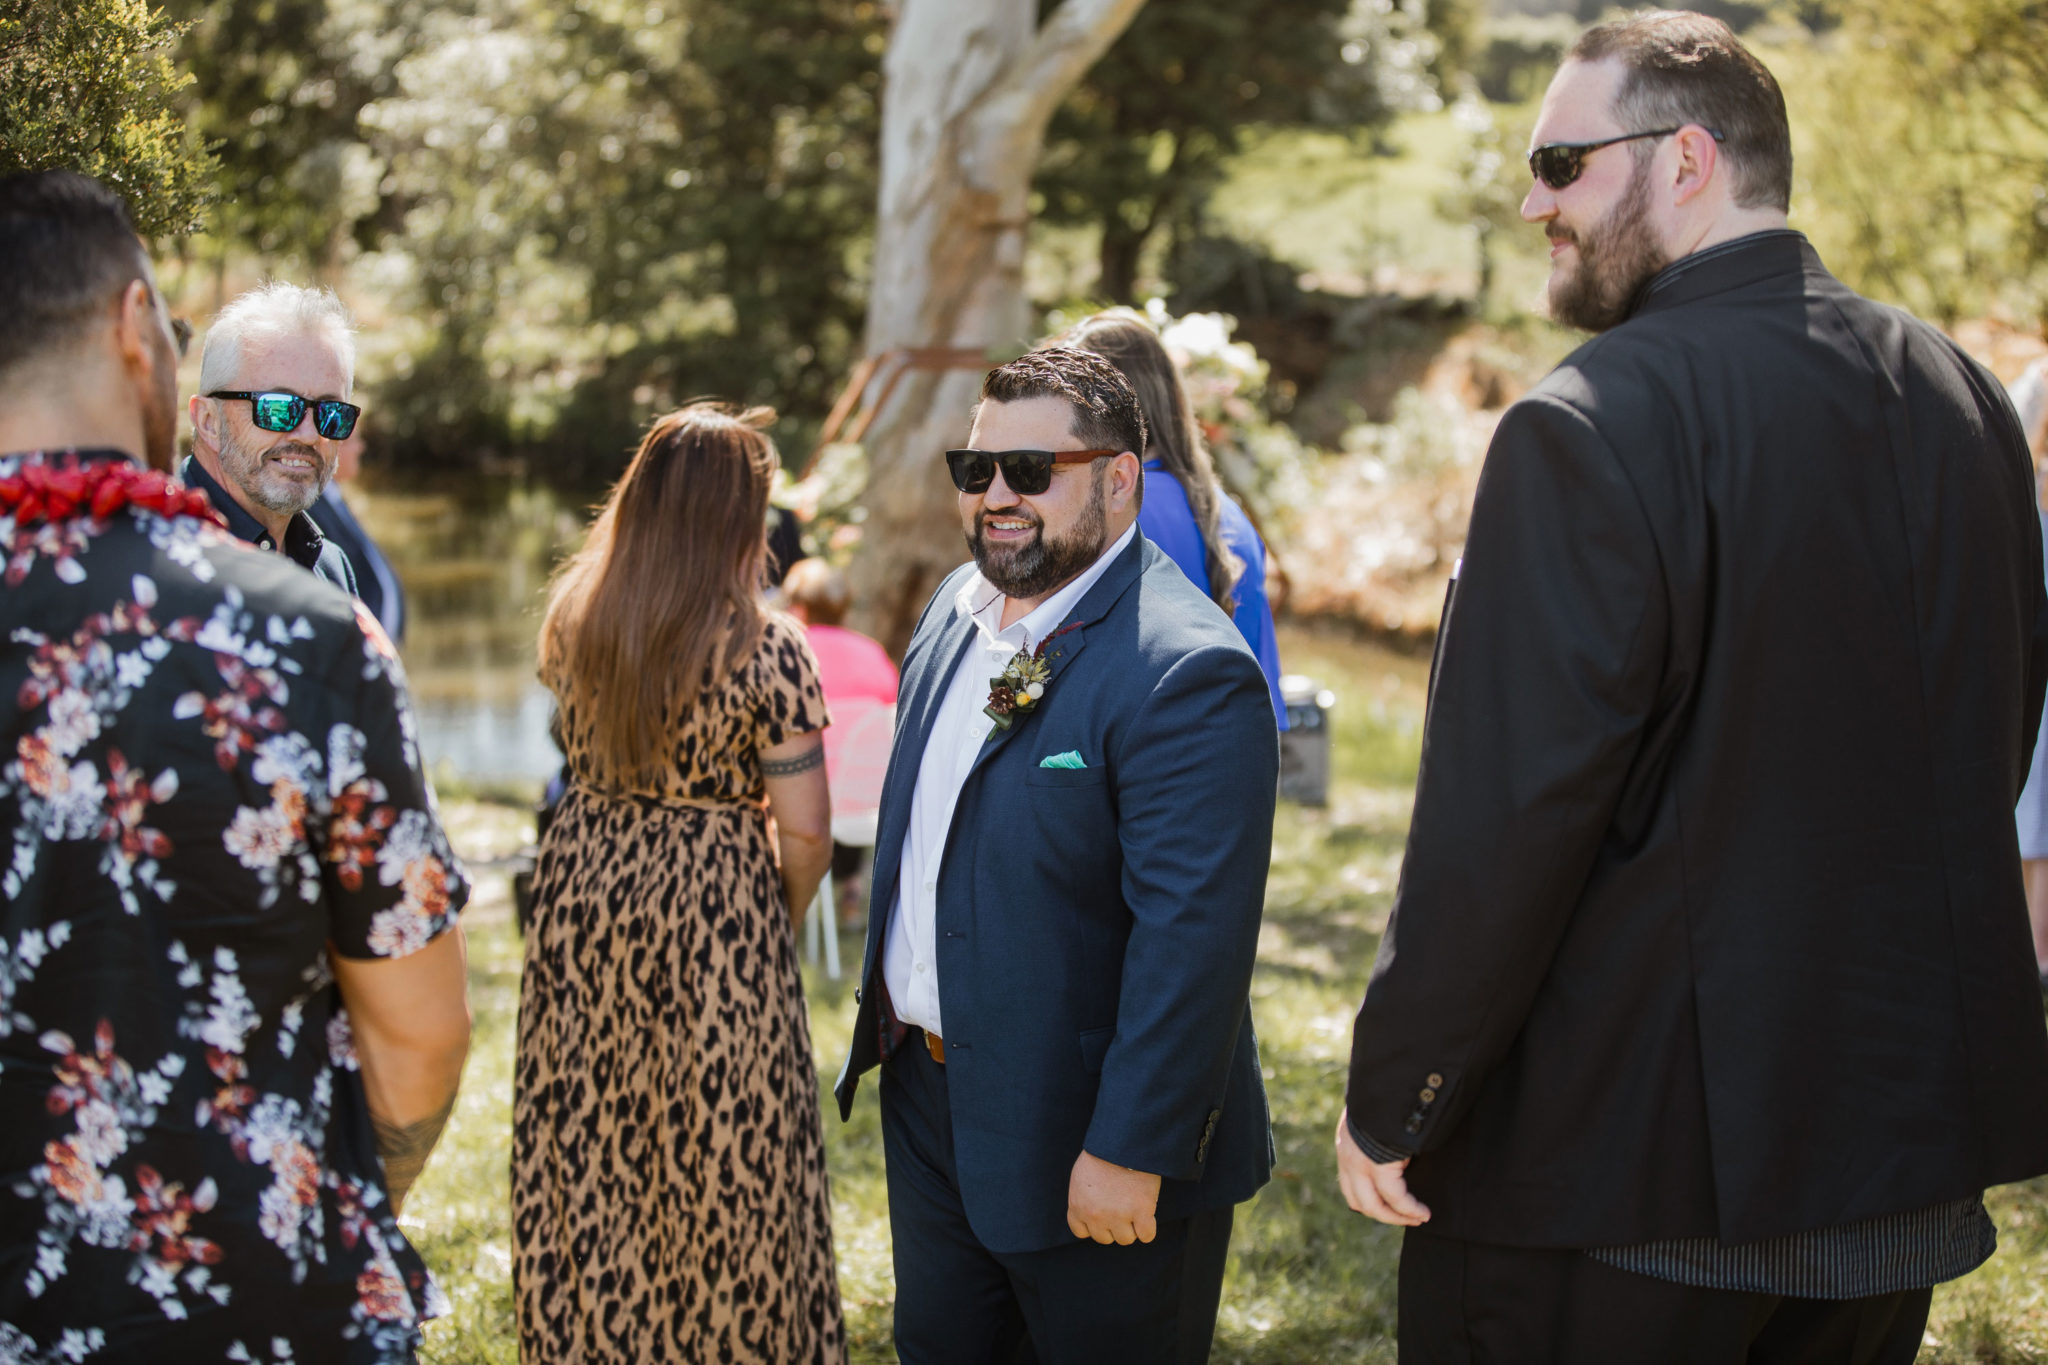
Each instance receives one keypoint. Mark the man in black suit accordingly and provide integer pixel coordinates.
(1707, 1011)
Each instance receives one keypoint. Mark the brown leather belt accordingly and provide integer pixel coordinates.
(935, 1045)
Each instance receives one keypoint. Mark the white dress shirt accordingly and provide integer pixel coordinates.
(910, 967)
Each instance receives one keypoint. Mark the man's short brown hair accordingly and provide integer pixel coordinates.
(1684, 68)
(1106, 411)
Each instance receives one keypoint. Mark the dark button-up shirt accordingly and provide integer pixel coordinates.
(304, 544)
(208, 781)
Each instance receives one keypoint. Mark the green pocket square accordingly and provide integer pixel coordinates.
(1070, 759)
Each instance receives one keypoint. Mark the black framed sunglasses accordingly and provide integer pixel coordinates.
(1557, 164)
(1025, 471)
(277, 410)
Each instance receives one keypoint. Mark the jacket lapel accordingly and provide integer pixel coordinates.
(924, 688)
(1062, 649)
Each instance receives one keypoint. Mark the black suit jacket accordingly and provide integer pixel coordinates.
(1711, 919)
(373, 572)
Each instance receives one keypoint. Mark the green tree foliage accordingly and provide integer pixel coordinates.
(1143, 140)
(88, 85)
(1921, 136)
(560, 216)
(280, 85)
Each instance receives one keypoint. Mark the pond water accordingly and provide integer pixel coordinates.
(474, 556)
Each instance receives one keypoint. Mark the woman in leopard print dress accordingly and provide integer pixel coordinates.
(668, 1164)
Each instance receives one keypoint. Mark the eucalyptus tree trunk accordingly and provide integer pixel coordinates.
(969, 86)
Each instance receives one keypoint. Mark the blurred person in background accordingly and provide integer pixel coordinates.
(858, 676)
(1186, 513)
(2030, 399)
(856, 672)
(231, 977)
(376, 581)
(274, 380)
(785, 543)
(669, 1193)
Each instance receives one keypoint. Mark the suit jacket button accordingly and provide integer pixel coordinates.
(1436, 1079)
(1428, 1096)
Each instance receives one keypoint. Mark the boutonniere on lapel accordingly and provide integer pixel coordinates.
(1023, 682)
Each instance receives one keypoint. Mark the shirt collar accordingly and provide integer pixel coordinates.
(981, 601)
(302, 539)
(1671, 274)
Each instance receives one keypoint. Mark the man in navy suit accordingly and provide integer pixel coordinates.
(1069, 875)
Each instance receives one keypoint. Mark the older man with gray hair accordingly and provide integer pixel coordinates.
(270, 416)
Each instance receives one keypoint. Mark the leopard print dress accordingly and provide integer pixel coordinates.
(668, 1165)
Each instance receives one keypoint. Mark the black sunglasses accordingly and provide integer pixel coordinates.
(281, 411)
(1025, 471)
(1557, 164)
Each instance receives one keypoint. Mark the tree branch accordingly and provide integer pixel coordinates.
(1070, 42)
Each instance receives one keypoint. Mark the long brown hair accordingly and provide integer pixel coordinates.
(665, 595)
(1126, 340)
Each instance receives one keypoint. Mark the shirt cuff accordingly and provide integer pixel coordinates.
(1379, 1151)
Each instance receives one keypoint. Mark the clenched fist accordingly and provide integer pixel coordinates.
(1110, 1203)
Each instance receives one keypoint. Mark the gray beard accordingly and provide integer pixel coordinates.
(280, 495)
(1617, 257)
(1043, 564)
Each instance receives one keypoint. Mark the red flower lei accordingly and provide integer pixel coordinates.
(53, 487)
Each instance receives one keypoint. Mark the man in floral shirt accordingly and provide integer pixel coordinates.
(228, 981)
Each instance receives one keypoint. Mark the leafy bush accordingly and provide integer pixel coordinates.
(87, 85)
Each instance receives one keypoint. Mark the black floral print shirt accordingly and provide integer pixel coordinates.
(208, 775)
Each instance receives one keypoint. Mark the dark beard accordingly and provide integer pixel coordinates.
(1040, 565)
(1617, 257)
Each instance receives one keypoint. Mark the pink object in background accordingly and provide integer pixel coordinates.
(858, 677)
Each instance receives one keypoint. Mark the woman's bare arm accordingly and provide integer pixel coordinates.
(797, 798)
(410, 1017)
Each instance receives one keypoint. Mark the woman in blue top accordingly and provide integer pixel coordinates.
(1185, 511)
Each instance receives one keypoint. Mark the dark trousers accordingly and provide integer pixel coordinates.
(958, 1303)
(1470, 1303)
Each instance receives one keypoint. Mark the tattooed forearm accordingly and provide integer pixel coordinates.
(404, 1147)
(813, 757)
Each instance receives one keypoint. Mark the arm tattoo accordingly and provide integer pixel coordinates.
(813, 757)
(404, 1147)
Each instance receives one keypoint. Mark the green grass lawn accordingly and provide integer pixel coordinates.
(1309, 1281)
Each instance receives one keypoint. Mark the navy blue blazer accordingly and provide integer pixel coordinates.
(1096, 926)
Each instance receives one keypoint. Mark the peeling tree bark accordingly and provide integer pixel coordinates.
(969, 86)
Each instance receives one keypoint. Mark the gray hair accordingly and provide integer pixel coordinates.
(276, 309)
